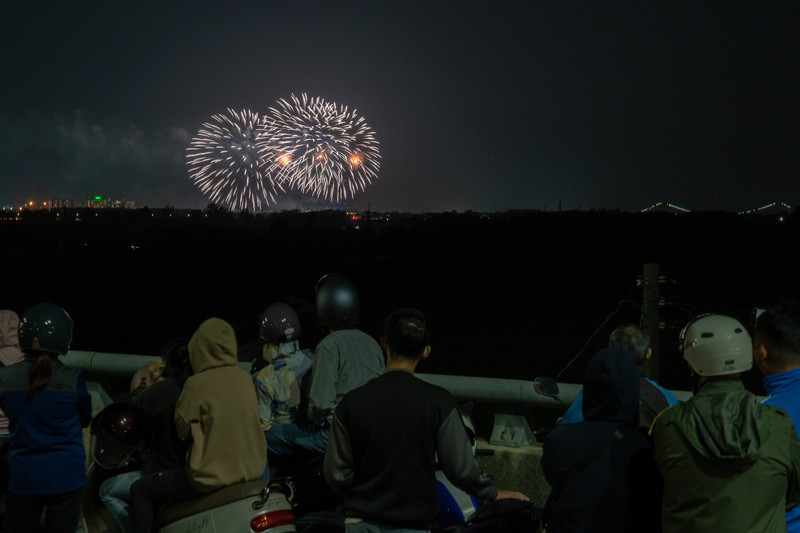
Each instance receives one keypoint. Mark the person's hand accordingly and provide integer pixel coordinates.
(511, 495)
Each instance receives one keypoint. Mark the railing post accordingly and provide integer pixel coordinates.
(650, 318)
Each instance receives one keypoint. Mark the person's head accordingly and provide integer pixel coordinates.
(633, 340)
(338, 304)
(611, 387)
(405, 337)
(776, 342)
(176, 359)
(213, 345)
(10, 351)
(716, 346)
(45, 331)
(278, 325)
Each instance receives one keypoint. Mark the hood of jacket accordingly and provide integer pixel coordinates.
(611, 387)
(723, 422)
(10, 351)
(212, 345)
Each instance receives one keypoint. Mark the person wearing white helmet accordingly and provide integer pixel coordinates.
(729, 463)
(776, 354)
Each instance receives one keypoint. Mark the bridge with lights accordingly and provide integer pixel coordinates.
(771, 208)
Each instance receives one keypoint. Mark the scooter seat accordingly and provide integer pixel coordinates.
(173, 512)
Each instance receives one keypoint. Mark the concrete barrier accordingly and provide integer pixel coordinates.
(516, 469)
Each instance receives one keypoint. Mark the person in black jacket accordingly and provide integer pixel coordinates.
(386, 436)
(601, 470)
(163, 449)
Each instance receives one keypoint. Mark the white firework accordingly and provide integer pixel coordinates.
(318, 148)
(225, 162)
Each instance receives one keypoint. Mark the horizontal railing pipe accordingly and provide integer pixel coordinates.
(477, 389)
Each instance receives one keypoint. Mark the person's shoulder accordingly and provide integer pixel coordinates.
(435, 394)
(15, 372)
(60, 370)
(352, 334)
(670, 415)
(668, 394)
(775, 412)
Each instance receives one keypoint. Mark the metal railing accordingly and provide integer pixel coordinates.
(478, 389)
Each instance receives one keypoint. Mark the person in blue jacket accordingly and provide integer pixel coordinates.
(47, 406)
(776, 353)
(653, 398)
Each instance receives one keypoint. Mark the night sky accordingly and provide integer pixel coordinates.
(484, 106)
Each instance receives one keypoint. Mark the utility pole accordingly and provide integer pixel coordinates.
(650, 319)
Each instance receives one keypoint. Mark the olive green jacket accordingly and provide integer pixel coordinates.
(729, 463)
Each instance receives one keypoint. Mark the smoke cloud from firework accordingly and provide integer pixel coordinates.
(307, 145)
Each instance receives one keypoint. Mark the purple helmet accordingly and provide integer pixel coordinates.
(279, 323)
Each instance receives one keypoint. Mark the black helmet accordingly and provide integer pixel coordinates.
(45, 328)
(120, 429)
(337, 301)
(279, 323)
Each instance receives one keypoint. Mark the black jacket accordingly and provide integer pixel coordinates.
(383, 445)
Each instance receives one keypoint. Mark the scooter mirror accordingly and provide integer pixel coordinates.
(546, 386)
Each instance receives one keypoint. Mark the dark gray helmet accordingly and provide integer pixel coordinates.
(45, 328)
(337, 301)
(279, 323)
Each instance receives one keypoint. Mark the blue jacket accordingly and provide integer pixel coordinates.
(653, 398)
(46, 454)
(784, 392)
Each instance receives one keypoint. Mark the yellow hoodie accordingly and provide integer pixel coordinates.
(218, 408)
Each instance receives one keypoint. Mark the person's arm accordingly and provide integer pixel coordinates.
(793, 487)
(84, 401)
(265, 397)
(338, 465)
(185, 412)
(459, 465)
(575, 412)
(458, 462)
(324, 375)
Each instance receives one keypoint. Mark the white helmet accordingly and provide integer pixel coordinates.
(716, 345)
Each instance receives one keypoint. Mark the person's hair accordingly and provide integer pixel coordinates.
(40, 375)
(632, 339)
(406, 333)
(780, 326)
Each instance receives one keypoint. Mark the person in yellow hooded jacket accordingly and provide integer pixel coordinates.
(218, 410)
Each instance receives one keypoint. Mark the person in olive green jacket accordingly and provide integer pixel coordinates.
(729, 462)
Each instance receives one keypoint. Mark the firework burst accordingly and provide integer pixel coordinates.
(319, 148)
(225, 162)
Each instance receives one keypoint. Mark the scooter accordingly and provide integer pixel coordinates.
(317, 509)
(254, 507)
(116, 441)
(265, 506)
(297, 501)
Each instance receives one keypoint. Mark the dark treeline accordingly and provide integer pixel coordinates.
(511, 295)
